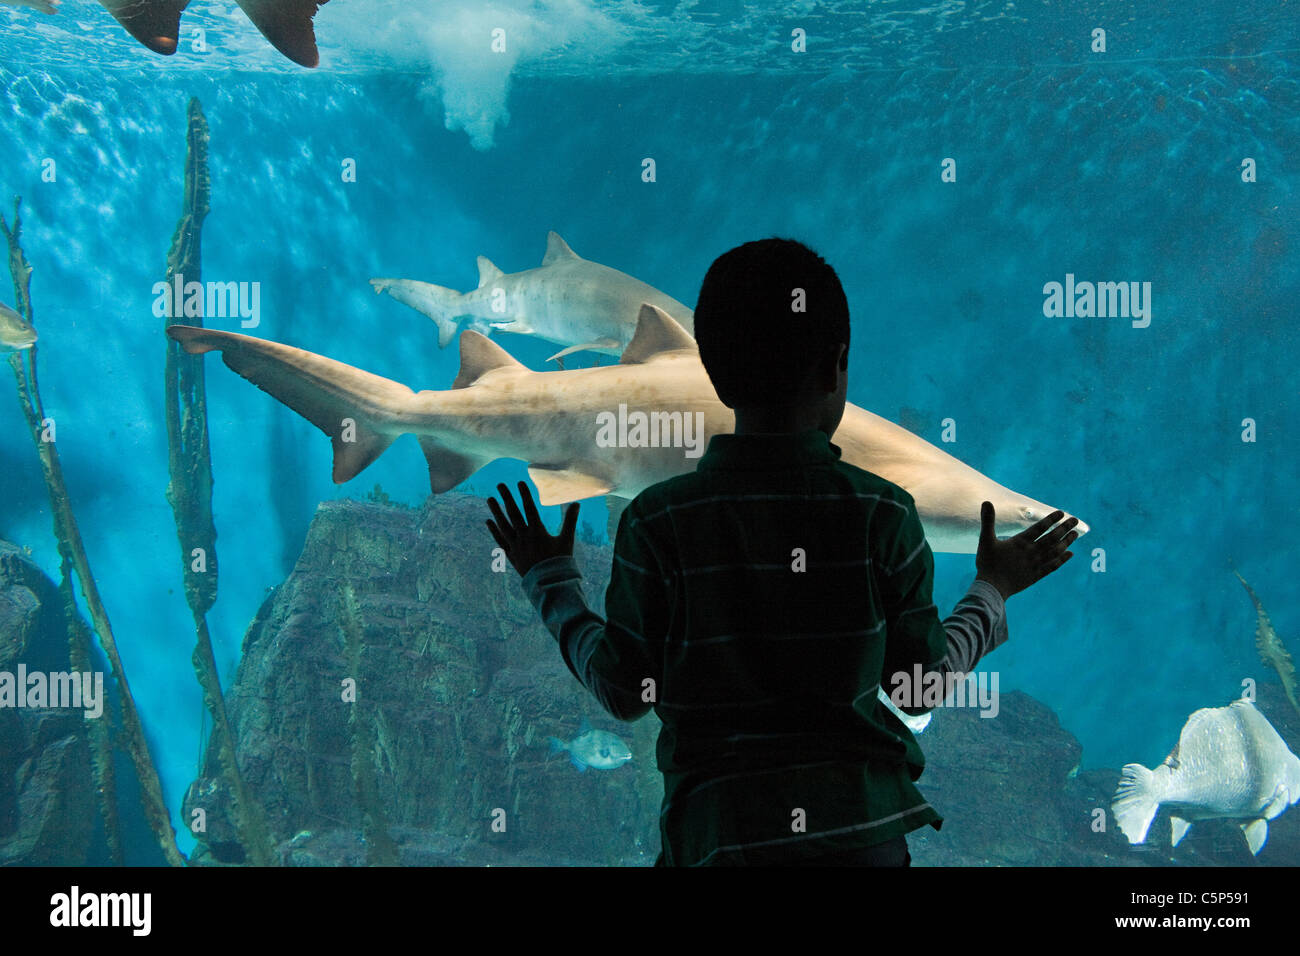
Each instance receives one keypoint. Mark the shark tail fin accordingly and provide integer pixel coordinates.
(437, 302)
(331, 395)
(1135, 802)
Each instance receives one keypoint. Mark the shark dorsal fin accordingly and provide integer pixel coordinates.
(480, 355)
(487, 271)
(557, 249)
(656, 332)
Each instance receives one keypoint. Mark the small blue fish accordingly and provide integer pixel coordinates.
(593, 748)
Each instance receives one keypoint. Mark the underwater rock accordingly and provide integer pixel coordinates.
(998, 783)
(461, 686)
(49, 815)
(47, 809)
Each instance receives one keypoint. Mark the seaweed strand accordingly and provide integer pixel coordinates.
(101, 735)
(73, 551)
(189, 488)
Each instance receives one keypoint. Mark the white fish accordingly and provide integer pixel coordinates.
(568, 300)
(16, 333)
(1229, 764)
(498, 408)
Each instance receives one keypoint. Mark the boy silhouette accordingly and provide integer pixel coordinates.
(760, 602)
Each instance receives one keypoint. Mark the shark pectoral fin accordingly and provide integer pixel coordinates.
(557, 486)
(447, 468)
(287, 24)
(518, 326)
(656, 332)
(605, 343)
(1256, 832)
(157, 25)
(487, 271)
(329, 394)
(557, 249)
(352, 457)
(1177, 829)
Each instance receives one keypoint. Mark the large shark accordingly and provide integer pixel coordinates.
(286, 23)
(498, 408)
(567, 299)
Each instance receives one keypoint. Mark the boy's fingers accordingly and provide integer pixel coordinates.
(1058, 534)
(502, 523)
(497, 535)
(530, 509)
(987, 521)
(569, 526)
(1035, 530)
(512, 509)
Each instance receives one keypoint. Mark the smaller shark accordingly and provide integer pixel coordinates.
(570, 300)
(40, 6)
(1270, 647)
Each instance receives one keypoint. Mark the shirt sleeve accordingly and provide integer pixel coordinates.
(914, 635)
(613, 657)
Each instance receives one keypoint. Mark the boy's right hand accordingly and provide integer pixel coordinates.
(1014, 563)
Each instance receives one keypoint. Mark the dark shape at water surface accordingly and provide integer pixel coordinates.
(286, 23)
(155, 23)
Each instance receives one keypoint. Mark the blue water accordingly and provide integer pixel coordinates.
(1120, 167)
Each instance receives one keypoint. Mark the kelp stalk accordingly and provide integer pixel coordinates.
(189, 488)
(72, 551)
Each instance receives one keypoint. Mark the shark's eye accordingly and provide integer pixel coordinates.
(1029, 514)
(604, 751)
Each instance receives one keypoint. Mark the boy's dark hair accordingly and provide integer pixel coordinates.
(756, 346)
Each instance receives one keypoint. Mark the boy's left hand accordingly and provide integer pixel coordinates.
(523, 537)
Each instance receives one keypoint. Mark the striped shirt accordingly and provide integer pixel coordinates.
(757, 605)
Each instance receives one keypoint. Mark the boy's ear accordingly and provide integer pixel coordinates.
(836, 360)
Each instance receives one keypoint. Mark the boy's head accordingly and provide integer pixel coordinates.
(772, 324)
